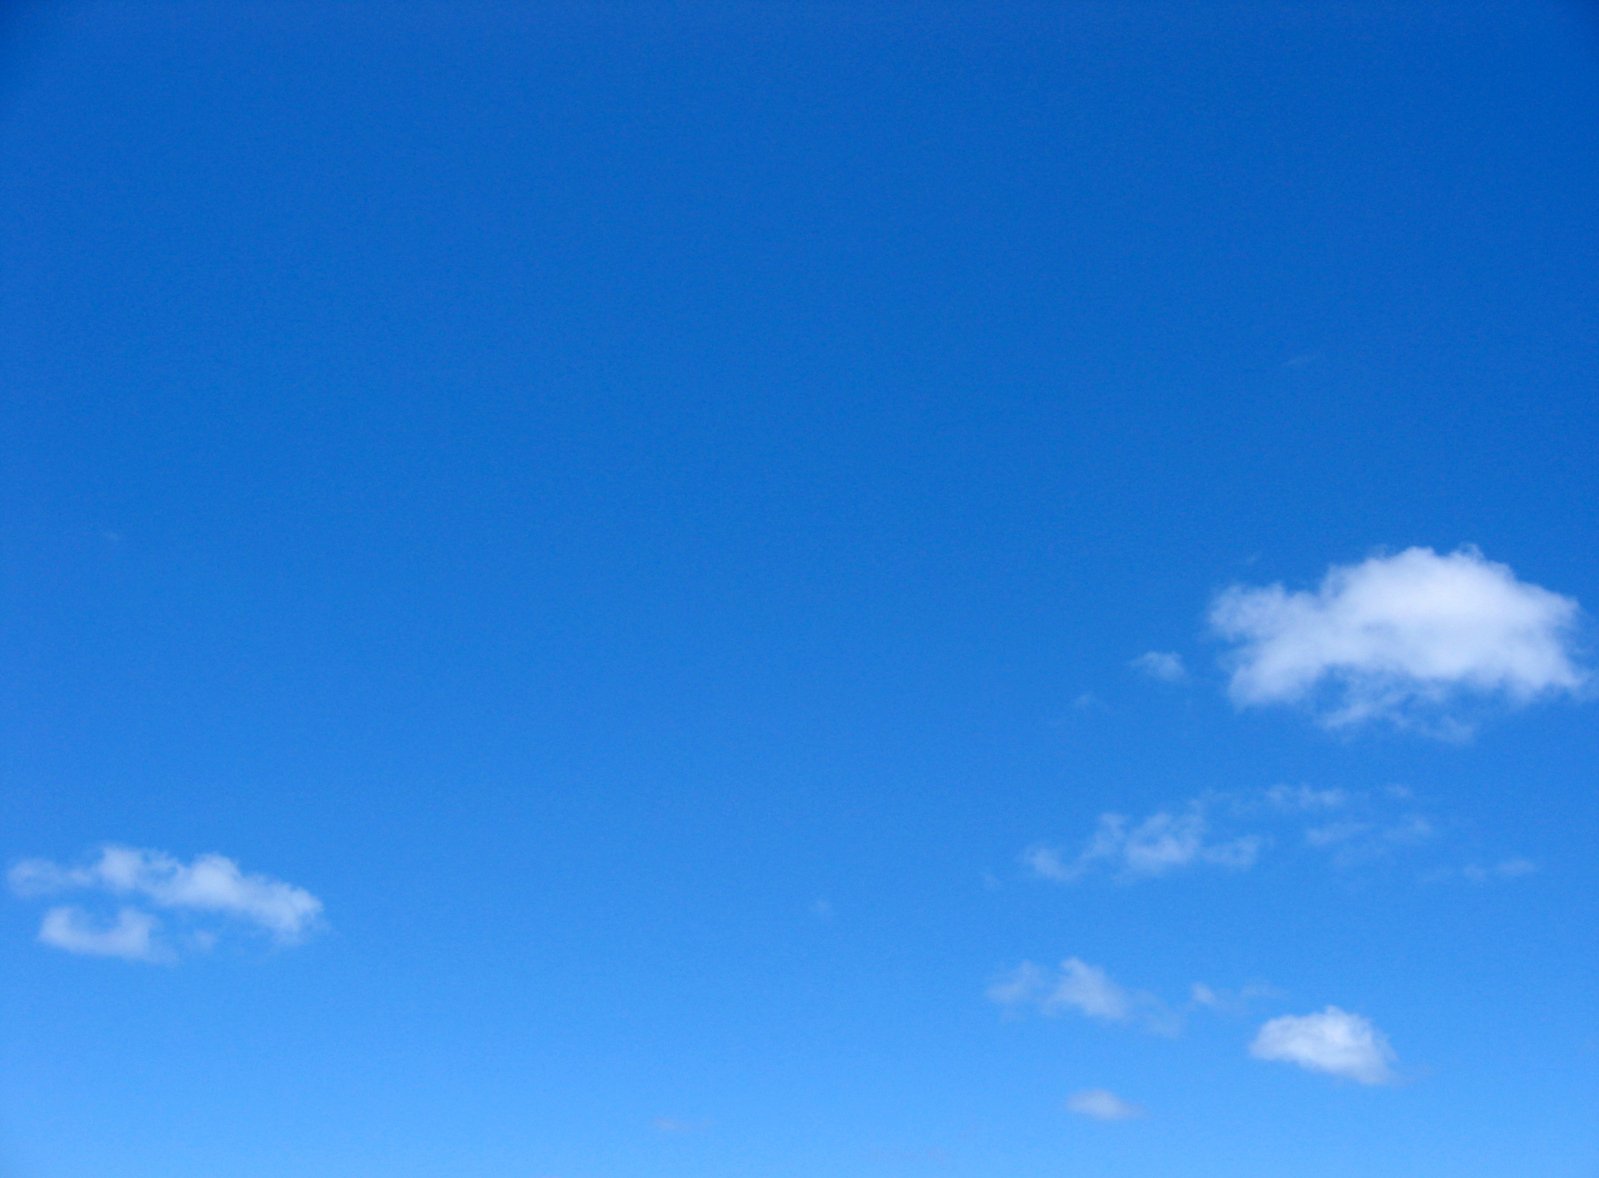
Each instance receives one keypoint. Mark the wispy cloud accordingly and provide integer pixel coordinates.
(1408, 638)
(1164, 665)
(1302, 799)
(1332, 1041)
(1234, 1002)
(1233, 829)
(1080, 988)
(1515, 867)
(1164, 842)
(211, 886)
(1100, 1104)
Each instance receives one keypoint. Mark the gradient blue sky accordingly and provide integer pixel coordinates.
(645, 522)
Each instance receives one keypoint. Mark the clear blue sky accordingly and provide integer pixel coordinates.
(687, 590)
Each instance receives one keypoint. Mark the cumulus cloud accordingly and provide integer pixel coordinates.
(1102, 1105)
(1080, 988)
(1403, 638)
(1164, 665)
(209, 886)
(1333, 1041)
(1164, 842)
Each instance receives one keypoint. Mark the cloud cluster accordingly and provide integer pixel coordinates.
(1402, 638)
(211, 886)
(1332, 1041)
(1159, 844)
(1233, 829)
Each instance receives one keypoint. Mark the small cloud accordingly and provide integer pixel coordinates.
(1334, 1041)
(1088, 990)
(131, 936)
(822, 909)
(1406, 638)
(1081, 988)
(211, 886)
(1163, 665)
(1099, 1104)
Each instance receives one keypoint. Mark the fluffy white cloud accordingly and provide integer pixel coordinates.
(131, 936)
(1161, 843)
(1165, 665)
(1102, 1105)
(1332, 1041)
(1399, 637)
(1081, 988)
(211, 885)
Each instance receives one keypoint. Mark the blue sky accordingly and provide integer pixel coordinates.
(742, 589)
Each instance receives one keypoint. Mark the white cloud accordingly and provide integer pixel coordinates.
(211, 885)
(1164, 665)
(1102, 1105)
(1161, 843)
(1333, 1041)
(1401, 638)
(130, 937)
(1081, 988)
